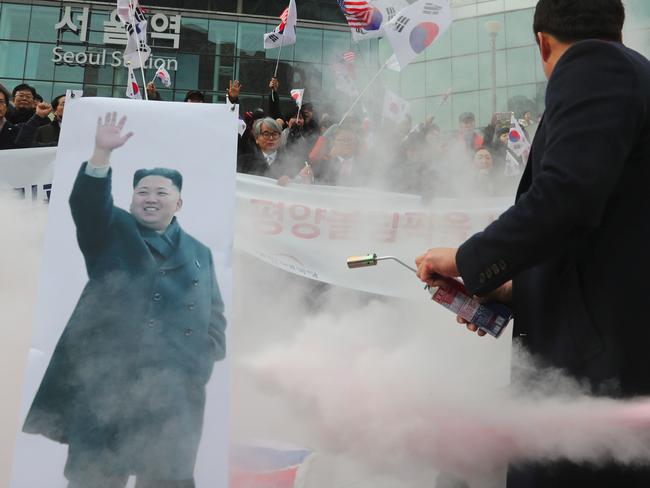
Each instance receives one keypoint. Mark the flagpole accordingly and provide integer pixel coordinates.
(144, 80)
(442, 102)
(277, 64)
(364, 91)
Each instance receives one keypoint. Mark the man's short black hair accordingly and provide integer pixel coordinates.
(56, 100)
(24, 87)
(175, 177)
(195, 95)
(576, 20)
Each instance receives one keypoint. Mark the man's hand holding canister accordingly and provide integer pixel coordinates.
(439, 264)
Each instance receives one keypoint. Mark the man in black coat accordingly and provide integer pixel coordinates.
(125, 388)
(572, 254)
(14, 136)
(48, 135)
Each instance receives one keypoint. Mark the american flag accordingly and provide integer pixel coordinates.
(349, 57)
(357, 12)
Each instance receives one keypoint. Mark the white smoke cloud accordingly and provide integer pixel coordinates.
(389, 391)
(20, 256)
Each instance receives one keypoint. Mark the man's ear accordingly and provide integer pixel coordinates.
(544, 46)
(179, 204)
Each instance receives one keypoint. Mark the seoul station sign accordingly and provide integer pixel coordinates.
(164, 28)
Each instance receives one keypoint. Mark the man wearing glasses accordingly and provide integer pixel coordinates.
(14, 136)
(267, 157)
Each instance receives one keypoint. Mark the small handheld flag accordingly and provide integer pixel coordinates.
(395, 107)
(163, 75)
(297, 96)
(132, 88)
(517, 141)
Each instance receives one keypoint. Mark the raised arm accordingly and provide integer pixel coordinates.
(91, 202)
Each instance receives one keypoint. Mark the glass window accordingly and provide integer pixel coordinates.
(10, 84)
(14, 22)
(438, 76)
(267, 7)
(96, 34)
(485, 69)
(12, 58)
(251, 102)
(519, 28)
(224, 35)
(103, 75)
(638, 13)
(464, 37)
(308, 76)
(212, 5)
(194, 36)
(60, 88)
(38, 64)
(335, 43)
(44, 89)
(41, 27)
(485, 109)
(414, 81)
(250, 41)
(325, 10)
(97, 91)
(384, 49)
(195, 72)
(224, 71)
(465, 73)
(255, 75)
(484, 42)
(311, 45)
(67, 35)
(522, 98)
(539, 69)
(521, 65)
(63, 72)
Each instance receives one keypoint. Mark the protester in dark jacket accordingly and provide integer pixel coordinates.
(48, 135)
(24, 100)
(575, 244)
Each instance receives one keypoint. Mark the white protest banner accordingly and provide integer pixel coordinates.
(311, 230)
(126, 374)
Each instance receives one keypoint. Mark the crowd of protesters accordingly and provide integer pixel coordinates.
(305, 147)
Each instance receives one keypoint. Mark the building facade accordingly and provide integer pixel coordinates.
(59, 45)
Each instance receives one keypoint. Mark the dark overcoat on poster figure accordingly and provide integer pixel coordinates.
(126, 383)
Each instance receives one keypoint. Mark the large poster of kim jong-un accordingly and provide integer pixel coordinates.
(126, 382)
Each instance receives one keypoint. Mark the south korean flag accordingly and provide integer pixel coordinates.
(416, 27)
(285, 33)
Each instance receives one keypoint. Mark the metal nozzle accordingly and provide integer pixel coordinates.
(362, 261)
(372, 259)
